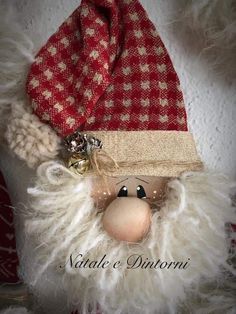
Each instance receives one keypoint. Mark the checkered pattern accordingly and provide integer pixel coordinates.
(106, 68)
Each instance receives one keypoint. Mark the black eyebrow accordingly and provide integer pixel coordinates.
(141, 180)
(122, 181)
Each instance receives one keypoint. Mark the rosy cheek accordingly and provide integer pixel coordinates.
(157, 195)
(102, 193)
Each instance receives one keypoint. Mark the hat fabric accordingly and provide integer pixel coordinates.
(106, 69)
(8, 256)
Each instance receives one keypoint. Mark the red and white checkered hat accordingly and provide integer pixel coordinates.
(106, 71)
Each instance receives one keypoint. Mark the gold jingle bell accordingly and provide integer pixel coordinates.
(79, 163)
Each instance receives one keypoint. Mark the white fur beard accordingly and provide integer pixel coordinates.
(191, 225)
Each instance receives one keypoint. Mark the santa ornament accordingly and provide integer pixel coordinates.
(127, 216)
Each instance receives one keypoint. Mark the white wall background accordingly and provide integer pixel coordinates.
(210, 99)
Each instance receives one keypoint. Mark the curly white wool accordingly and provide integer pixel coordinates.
(191, 224)
(16, 55)
(29, 138)
(215, 297)
(215, 22)
(15, 310)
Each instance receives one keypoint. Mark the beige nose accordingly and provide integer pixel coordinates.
(127, 219)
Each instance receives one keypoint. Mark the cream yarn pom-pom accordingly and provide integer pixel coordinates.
(29, 138)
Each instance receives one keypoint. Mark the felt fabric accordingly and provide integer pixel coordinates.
(8, 255)
(152, 153)
(106, 68)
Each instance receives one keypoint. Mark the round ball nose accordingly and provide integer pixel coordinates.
(127, 219)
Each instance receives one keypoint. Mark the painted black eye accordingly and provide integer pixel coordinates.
(141, 192)
(123, 192)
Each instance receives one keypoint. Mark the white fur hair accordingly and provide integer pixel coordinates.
(29, 138)
(62, 219)
(15, 310)
(16, 55)
(215, 297)
(215, 23)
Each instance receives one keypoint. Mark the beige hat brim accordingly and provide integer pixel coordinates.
(150, 153)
